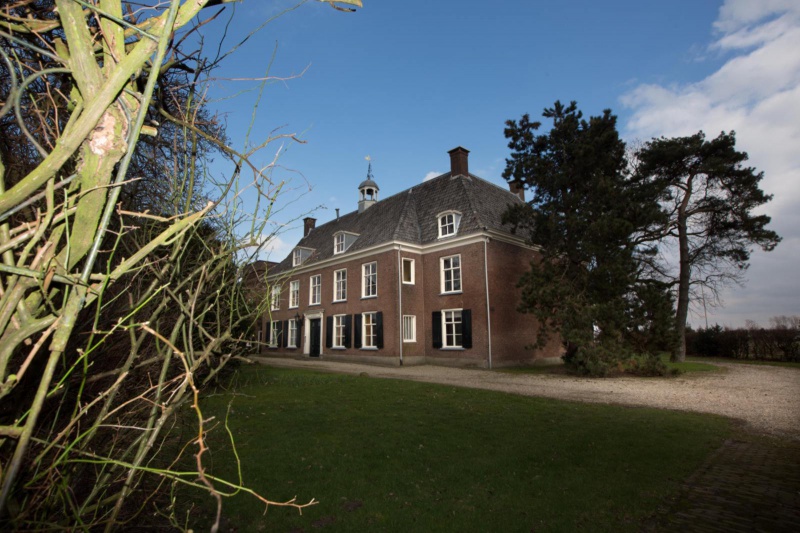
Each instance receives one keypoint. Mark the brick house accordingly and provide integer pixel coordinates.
(427, 275)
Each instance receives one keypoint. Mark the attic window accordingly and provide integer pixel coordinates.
(448, 223)
(338, 243)
(342, 241)
(299, 256)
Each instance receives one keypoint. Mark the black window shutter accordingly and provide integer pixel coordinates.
(285, 333)
(329, 332)
(348, 329)
(436, 326)
(279, 340)
(466, 328)
(356, 331)
(379, 329)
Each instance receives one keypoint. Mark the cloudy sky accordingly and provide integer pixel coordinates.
(404, 82)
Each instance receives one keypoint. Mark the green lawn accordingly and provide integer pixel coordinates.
(390, 455)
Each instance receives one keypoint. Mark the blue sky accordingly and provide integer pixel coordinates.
(404, 82)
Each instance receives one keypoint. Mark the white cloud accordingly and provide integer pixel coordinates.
(756, 92)
(431, 175)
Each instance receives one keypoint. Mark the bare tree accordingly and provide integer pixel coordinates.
(120, 292)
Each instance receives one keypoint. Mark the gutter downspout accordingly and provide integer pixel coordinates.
(488, 307)
(400, 302)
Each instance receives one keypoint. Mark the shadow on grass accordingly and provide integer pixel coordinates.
(391, 455)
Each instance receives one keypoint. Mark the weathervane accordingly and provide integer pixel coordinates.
(369, 167)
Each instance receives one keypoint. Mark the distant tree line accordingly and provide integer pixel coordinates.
(778, 342)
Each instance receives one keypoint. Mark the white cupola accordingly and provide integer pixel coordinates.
(367, 191)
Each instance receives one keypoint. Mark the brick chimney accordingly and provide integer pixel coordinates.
(517, 188)
(459, 161)
(308, 224)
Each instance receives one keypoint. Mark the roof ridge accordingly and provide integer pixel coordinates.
(475, 212)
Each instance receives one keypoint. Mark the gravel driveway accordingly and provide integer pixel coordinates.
(766, 398)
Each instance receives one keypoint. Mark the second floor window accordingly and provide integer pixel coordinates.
(451, 274)
(370, 283)
(338, 243)
(275, 303)
(294, 294)
(340, 286)
(315, 292)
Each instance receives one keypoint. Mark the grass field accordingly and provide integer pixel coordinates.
(390, 455)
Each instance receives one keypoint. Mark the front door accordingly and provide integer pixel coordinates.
(315, 336)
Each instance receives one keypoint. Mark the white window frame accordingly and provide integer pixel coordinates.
(273, 333)
(291, 330)
(403, 271)
(368, 271)
(453, 270)
(297, 258)
(315, 290)
(275, 300)
(338, 331)
(450, 340)
(448, 223)
(369, 341)
(294, 294)
(338, 244)
(409, 328)
(340, 285)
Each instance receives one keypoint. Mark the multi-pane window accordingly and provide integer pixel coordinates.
(369, 332)
(448, 224)
(274, 332)
(338, 243)
(452, 337)
(315, 292)
(370, 280)
(275, 302)
(451, 273)
(409, 328)
(292, 340)
(297, 257)
(338, 331)
(408, 271)
(340, 285)
(294, 294)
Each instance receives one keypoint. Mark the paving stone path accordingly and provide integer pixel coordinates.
(744, 486)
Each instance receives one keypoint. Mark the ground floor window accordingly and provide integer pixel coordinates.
(292, 340)
(274, 333)
(369, 331)
(409, 328)
(452, 329)
(339, 331)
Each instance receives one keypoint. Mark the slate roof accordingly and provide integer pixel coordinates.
(411, 216)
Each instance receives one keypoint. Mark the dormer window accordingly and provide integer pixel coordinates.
(299, 256)
(448, 223)
(342, 241)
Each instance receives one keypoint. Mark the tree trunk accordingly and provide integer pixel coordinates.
(684, 277)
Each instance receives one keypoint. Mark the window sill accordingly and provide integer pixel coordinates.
(369, 297)
(338, 348)
(450, 293)
(310, 305)
(369, 348)
(339, 301)
(408, 283)
(453, 348)
(294, 307)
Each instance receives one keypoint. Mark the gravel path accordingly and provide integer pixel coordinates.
(766, 398)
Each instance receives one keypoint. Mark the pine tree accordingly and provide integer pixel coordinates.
(709, 197)
(586, 213)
